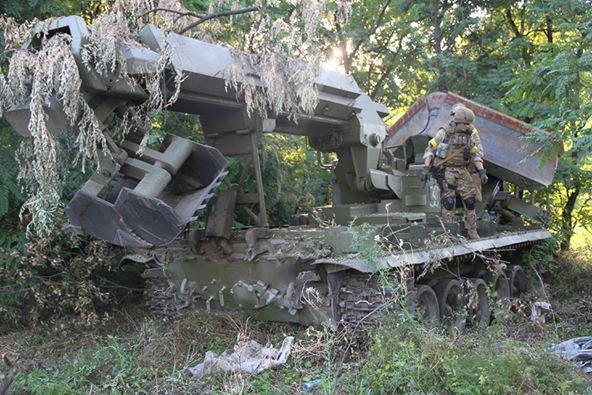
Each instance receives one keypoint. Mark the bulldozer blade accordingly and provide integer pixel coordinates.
(89, 215)
(143, 205)
(508, 156)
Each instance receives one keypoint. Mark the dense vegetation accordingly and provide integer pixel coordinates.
(132, 353)
(530, 59)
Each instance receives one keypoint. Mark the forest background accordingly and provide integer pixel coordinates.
(529, 59)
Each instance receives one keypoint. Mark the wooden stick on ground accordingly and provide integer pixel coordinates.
(9, 377)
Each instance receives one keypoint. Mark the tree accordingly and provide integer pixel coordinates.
(529, 59)
(554, 89)
(384, 51)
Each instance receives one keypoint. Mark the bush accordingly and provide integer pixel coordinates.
(44, 278)
(408, 358)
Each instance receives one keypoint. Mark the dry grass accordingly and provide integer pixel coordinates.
(155, 353)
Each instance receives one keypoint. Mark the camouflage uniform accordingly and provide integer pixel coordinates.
(456, 177)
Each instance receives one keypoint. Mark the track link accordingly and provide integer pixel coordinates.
(361, 299)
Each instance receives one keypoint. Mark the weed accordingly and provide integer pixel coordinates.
(408, 358)
(109, 367)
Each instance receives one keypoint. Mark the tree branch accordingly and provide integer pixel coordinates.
(217, 15)
(519, 34)
(385, 73)
(513, 26)
(180, 13)
(377, 24)
(549, 29)
(389, 69)
(9, 377)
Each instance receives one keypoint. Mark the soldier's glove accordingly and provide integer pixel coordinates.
(483, 176)
(425, 174)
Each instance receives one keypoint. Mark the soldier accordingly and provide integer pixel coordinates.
(455, 148)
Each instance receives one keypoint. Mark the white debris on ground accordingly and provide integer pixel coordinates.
(248, 356)
(538, 311)
(578, 351)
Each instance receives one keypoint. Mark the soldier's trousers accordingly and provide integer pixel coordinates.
(459, 180)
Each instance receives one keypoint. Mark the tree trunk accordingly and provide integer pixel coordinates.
(567, 223)
(346, 57)
(549, 29)
(567, 226)
(518, 35)
(437, 37)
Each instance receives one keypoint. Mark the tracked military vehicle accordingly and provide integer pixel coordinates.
(319, 270)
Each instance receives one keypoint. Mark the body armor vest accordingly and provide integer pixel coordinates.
(457, 141)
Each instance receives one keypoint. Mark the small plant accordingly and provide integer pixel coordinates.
(109, 367)
(408, 358)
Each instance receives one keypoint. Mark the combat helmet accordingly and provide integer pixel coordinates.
(461, 114)
(455, 106)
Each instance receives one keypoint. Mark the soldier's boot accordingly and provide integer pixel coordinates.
(447, 216)
(472, 224)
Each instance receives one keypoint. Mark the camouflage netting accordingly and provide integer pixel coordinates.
(40, 74)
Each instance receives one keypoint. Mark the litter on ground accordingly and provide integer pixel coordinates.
(577, 350)
(538, 312)
(248, 357)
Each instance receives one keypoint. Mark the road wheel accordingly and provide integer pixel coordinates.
(452, 303)
(479, 313)
(517, 280)
(424, 304)
(500, 283)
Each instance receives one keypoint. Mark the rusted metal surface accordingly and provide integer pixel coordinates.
(507, 153)
(361, 298)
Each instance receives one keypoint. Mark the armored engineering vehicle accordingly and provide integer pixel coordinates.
(382, 217)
